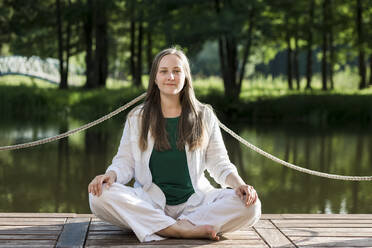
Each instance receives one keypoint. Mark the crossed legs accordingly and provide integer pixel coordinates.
(124, 207)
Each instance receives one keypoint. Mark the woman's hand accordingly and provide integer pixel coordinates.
(247, 194)
(95, 186)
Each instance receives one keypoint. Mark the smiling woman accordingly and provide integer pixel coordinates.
(170, 77)
(167, 144)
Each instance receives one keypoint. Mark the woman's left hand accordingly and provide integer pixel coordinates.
(247, 194)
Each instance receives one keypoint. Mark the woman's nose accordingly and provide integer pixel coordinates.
(171, 76)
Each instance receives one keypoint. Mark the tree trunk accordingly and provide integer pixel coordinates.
(247, 48)
(138, 78)
(324, 46)
(370, 69)
(331, 47)
(332, 58)
(231, 90)
(296, 62)
(149, 55)
(289, 56)
(132, 43)
(63, 76)
(309, 60)
(68, 47)
(88, 33)
(362, 66)
(223, 64)
(101, 52)
(228, 61)
(227, 51)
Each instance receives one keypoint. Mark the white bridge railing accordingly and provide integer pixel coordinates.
(44, 69)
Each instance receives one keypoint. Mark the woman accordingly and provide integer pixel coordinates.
(167, 143)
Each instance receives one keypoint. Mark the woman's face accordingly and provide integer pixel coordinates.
(170, 77)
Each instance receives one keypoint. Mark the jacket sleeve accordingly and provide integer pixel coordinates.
(123, 162)
(217, 160)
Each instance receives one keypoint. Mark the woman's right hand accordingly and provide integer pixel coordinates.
(95, 186)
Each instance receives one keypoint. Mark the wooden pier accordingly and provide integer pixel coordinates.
(273, 230)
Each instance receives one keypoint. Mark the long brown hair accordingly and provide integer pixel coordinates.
(190, 125)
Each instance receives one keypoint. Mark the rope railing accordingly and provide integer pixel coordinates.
(79, 129)
(229, 131)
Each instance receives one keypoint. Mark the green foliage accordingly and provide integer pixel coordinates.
(262, 100)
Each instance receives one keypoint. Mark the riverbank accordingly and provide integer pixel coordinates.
(259, 103)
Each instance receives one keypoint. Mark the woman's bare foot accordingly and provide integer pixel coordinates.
(185, 229)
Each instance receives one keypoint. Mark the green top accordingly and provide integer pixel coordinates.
(169, 168)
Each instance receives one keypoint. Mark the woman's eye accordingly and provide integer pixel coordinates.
(163, 71)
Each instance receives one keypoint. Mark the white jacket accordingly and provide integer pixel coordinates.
(131, 162)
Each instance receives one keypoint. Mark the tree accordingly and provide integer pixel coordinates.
(332, 58)
(237, 21)
(136, 38)
(101, 38)
(63, 45)
(95, 23)
(309, 57)
(325, 27)
(36, 30)
(285, 29)
(5, 17)
(289, 53)
(361, 45)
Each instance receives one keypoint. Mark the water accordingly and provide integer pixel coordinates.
(54, 177)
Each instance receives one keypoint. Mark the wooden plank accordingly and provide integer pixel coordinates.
(328, 232)
(321, 221)
(28, 243)
(263, 224)
(327, 216)
(31, 223)
(30, 232)
(109, 232)
(271, 216)
(271, 235)
(112, 236)
(175, 242)
(316, 225)
(31, 219)
(25, 232)
(74, 233)
(46, 215)
(27, 237)
(332, 241)
(31, 228)
(181, 246)
(104, 227)
(25, 245)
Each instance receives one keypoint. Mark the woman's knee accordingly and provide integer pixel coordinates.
(97, 202)
(253, 212)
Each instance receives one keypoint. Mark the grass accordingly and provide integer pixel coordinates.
(263, 99)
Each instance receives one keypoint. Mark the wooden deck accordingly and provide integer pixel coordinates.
(285, 230)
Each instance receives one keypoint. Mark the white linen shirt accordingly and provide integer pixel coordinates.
(131, 162)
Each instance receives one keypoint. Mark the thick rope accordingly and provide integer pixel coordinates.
(229, 131)
(292, 166)
(82, 128)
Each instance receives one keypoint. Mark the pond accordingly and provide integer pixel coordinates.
(53, 177)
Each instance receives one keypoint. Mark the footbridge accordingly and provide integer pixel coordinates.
(35, 67)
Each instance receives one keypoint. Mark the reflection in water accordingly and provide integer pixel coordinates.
(358, 161)
(54, 177)
(63, 161)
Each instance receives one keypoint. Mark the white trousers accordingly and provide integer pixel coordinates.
(131, 208)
